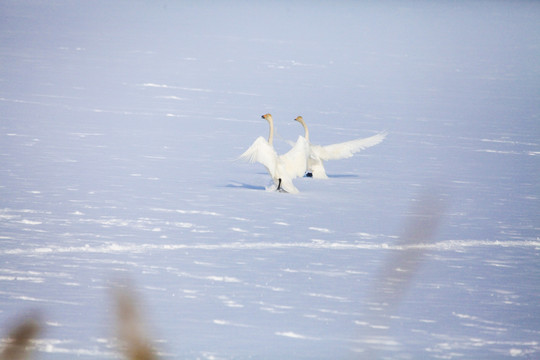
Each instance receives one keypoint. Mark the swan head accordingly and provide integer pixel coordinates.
(300, 120)
(267, 117)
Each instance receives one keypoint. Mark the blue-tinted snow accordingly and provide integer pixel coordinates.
(120, 124)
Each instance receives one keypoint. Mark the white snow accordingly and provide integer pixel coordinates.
(120, 128)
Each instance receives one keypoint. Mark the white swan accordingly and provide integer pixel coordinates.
(318, 153)
(282, 168)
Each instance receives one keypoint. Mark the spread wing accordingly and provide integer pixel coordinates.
(345, 149)
(262, 152)
(294, 162)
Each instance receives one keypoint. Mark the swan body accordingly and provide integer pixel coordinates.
(282, 168)
(318, 153)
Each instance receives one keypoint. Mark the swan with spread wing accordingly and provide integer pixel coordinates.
(282, 168)
(318, 153)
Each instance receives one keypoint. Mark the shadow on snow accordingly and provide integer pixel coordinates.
(237, 185)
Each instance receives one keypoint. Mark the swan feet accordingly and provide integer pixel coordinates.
(279, 188)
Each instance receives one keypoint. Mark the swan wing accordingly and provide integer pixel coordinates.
(345, 149)
(262, 152)
(294, 162)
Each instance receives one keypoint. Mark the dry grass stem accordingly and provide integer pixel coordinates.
(18, 346)
(135, 343)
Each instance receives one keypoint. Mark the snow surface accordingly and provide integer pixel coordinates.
(120, 124)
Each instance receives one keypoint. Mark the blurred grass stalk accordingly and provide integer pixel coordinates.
(387, 292)
(396, 277)
(134, 341)
(18, 345)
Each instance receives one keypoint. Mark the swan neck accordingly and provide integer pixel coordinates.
(271, 135)
(306, 135)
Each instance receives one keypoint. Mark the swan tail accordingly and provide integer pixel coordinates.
(319, 172)
(316, 168)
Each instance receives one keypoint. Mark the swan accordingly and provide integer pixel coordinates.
(282, 168)
(318, 153)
